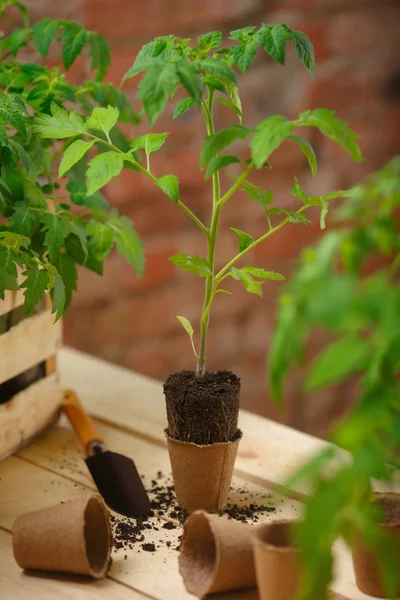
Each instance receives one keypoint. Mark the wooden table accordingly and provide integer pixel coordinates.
(129, 411)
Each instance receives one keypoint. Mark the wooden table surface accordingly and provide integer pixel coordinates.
(129, 411)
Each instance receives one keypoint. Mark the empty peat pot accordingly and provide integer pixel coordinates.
(365, 560)
(203, 436)
(216, 555)
(277, 561)
(74, 537)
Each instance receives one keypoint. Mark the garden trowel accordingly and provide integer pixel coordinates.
(115, 476)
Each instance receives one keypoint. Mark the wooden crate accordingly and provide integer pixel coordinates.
(33, 341)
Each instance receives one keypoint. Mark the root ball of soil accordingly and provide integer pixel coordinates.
(202, 410)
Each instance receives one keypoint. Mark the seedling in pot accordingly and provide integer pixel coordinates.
(203, 407)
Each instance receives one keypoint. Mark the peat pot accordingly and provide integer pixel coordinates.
(203, 436)
(30, 394)
(365, 561)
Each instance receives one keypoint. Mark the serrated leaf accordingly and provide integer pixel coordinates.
(304, 50)
(308, 151)
(210, 40)
(24, 159)
(35, 284)
(78, 229)
(244, 55)
(100, 239)
(103, 119)
(337, 361)
(100, 55)
(233, 93)
(15, 40)
(149, 142)
(58, 296)
(128, 243)
(334, 128)
(8, 260)
(192, 264)
(59, 125)
(69, 276)
(155, 89)
(215, 84)
(7, 282)
(273, 39)
(294, 217)
(189, 79)
(217, 142)
(245, 240)
(11, 115)
(256, 194)
(298, 191)
(73, 154)
(55, 234)
(231, 106)
(183, 106)
(263, 274)
(217, 68)
(101, 169)
(218, 163)
(170, 186)
(250, 285)
(74, 38)
(269, 135)
(44, 32)
(24, 220)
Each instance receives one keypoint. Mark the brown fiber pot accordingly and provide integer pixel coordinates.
(202, 474)
(366, 565)
(277, 561)
(74, 537)
(216, 555)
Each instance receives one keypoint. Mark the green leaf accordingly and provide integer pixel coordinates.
(210, 40)
(192, 264)
(11, 115)
(188, 77)
(217, 142)
(273, 39)
(69, 276)
(55, 234)
(102, 168)
(74, 38)
(8, 260)
(149, 142)
(334, 128)
(128, 243)
(304, 50)
(250, 285)
(233, 94)
(218, 163)
(245, 240)
(155, 89)
(269, 135)
(256, 194)
(100, 55)
(324, 212)
(58, 296)
(15, 40)
(73, 154)
(262, 274)
(298, 191)
(231, 106)
(78, 228)
(103, 119)
(59, 125)
(218, 68)
(170, 186)
(189, 330)
(183, 106)
(214, 83)
(242, 35)
(294, 217)
(44, 32)
(24, 220)
(244, 55)
(338, 361)
(35, 284)
(308, 152)
(101, 239)
(7, 282)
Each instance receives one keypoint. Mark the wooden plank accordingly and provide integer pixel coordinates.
(28, 413)
(16, 584)
(27, 344)
(12, 299)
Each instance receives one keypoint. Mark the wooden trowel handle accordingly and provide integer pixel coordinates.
(80, 421)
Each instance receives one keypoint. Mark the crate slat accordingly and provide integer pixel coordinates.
(32, 341)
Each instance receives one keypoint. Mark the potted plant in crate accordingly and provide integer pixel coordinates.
(202, 407)
(45, 231)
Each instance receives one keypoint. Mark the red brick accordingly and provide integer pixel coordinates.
(364, 30)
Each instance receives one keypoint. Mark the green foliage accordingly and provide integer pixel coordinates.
(218, 141)
(269, 135)
(358, 308)
(170, 186)
(192, 264)
(39, 232)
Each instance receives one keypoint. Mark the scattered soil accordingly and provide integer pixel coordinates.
(134, 534)
(202, 410)
(390, 505)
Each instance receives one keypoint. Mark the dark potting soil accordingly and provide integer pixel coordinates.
(138, 534)
(390, 506)
(202, 410)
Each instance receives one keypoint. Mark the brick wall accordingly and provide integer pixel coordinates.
(133, 323)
